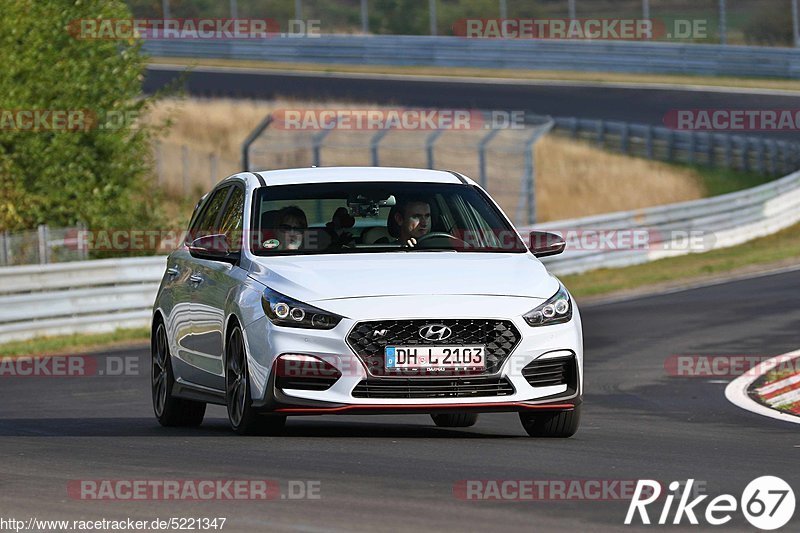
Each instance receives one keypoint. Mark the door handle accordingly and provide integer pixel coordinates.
(173, 271)
(196, 278)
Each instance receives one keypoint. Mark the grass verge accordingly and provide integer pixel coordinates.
(780, 248)
(74, 344)
(539, 75)
(716, 181)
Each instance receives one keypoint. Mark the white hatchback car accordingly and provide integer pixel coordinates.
(363, 291)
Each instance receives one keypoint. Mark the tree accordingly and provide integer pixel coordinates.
(97, 174)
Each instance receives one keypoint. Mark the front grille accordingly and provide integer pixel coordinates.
(549, 372)
(433, 388)
(369, 339)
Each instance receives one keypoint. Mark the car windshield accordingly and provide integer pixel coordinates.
(378, 217)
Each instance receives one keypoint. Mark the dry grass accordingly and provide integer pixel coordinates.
(594, 181)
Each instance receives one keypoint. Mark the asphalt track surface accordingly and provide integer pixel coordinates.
(397, 473)
(630, 104)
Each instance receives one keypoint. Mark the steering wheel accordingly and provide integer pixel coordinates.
(442, 235)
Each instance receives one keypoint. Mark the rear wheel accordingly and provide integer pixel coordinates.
(242, 416)
(553, 424)
(455, 420)
(169, 411)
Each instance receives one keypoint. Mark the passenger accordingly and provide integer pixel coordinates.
(291, 224)
(337, 228)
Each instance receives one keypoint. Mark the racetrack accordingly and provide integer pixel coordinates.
(635, 104)
(390, 473)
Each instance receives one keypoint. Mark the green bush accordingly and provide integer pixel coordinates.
(99, 175)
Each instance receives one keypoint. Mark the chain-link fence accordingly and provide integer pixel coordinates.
(183, 171)
(500, 159)
(757, 22)
(42, 245)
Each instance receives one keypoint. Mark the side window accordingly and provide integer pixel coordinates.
(232, 219)
(206, 223)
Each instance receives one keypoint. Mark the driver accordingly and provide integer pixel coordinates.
(413, 220)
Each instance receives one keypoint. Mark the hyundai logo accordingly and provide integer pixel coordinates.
(435, 332)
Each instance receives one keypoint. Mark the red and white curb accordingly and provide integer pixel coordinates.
(777, 395)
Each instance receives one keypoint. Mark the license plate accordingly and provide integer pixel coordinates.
(435, 357)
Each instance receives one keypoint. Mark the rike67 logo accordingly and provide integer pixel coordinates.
(767, 503)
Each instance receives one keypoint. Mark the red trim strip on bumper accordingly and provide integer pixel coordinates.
(421, 407)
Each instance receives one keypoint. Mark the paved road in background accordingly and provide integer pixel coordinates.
(637, 105)
(389, 473)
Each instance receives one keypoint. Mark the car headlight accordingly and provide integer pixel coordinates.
(556, 310)
(285, 311)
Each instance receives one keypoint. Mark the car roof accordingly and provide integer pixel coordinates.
(357, 174)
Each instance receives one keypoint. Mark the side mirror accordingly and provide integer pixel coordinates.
(544, 243)
(214, 248)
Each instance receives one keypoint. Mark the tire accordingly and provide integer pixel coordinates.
(170, 411)
(243, 418)
(455, 420)
(552, 424)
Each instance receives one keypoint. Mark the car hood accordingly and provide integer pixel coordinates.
(315, 278)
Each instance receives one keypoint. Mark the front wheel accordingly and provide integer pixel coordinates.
(169, 411)
(242, 416)
(552, 424)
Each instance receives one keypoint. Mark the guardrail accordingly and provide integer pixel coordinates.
(743, 152)
(80, 296)
(404, 50)
(676, 229)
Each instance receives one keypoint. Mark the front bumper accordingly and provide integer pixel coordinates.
(266, 342)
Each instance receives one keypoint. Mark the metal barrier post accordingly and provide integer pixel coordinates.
(670, 145)
(728, 151)
(250, 139)
(4, 248)
(482, 155)
(601, 133)
(710, 155)
(42, 234)
(528, 199)
(773, 157)
(760, 156)
(429, 142)
(649, 142)
(374, 143)
(316, 146)
(624, 138)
